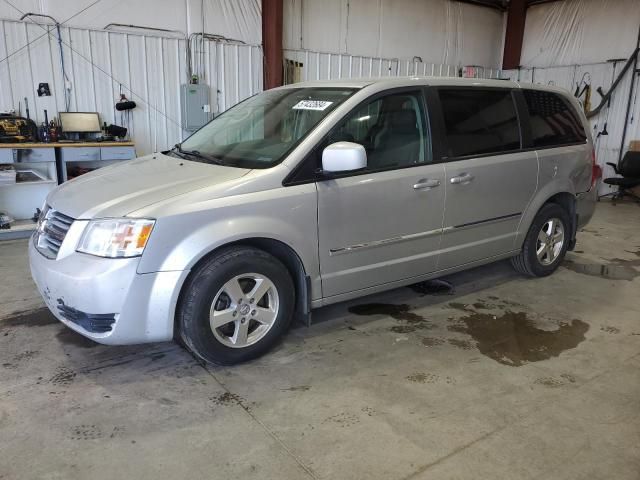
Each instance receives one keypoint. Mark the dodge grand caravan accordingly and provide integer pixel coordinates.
(311, 194)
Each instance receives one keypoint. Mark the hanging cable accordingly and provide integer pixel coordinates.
(635, 99)
(194, 56)
(67, 84)
(97, 67)
(46, 32)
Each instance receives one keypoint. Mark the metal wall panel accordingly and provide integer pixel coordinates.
(325, 65)
(148, 69)
(439, 31)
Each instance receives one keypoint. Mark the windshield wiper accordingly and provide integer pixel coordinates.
(177, 150)
(194, 153)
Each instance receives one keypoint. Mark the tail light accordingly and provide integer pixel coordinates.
(596, 170)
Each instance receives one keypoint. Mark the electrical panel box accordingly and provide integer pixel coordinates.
(194, 103)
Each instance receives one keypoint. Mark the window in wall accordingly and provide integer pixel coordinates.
(392, 129)
(479, 121)
(292, 71)
(553, 121)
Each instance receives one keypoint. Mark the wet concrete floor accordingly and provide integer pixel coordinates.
(490, 375)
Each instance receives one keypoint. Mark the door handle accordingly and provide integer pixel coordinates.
(426, 184)
(462, 179)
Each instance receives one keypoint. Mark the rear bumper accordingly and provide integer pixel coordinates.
(585, 206)
(106, 299)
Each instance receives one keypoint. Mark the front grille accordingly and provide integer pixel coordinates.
(52, 228)
(91, 322)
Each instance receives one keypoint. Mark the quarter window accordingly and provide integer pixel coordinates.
(553, 121)
(478, 121)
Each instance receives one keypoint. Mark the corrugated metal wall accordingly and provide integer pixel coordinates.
(323, 66)
(99, 64)
(597, 75)
(438, 31)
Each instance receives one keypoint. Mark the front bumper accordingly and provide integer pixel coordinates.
(106, 299)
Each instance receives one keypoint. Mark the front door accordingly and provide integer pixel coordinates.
(383, 224)
(489, 180)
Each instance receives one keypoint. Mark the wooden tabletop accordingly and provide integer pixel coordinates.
(65, 144)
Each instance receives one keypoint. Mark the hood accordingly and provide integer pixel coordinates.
(117, 190)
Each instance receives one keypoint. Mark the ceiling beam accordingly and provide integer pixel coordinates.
(531, 3)
(495, 4)
(272, 13)
(514, 35)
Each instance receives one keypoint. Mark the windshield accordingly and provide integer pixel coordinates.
(260, 132)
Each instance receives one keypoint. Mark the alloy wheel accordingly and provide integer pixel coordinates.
(244, 310)
(550, 241)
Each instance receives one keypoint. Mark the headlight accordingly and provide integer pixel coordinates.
(42, 216)
(116, 237)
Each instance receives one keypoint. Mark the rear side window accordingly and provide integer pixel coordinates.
(553, 121)
(478, 121)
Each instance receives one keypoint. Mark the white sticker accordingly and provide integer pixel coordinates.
(311, 105)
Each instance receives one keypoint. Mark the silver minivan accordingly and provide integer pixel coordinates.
(312, 194)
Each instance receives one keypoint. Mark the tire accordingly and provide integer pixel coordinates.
(528, 262)
(207, 297)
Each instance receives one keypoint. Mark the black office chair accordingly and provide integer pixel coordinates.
(629, 168)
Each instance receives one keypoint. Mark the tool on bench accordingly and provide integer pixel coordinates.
(15, 129)
(43, 131)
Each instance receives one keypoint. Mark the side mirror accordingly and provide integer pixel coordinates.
(344, 157)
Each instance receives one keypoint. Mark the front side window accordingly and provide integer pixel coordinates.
(260, 132)
(553, 120)
(392, 130)
(479, 122)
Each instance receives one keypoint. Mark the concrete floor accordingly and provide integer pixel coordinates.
(508, 378)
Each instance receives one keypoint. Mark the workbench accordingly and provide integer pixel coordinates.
(51, 164)
(90, 155)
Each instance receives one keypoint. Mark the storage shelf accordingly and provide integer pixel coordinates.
(49, 162)
(19, 229)
(23, 225)
(36, 182)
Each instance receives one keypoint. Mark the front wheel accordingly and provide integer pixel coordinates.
(546, 242)
(236, 306)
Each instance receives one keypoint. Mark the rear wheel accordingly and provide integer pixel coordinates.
(236, 306)
(546, 242)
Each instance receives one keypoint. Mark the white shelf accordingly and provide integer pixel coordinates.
(37, 182)
(21, 225)
(19, 229)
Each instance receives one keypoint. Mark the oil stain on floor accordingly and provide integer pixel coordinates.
(68, 336)
(433, 287)
(511, 338)
(617, 271)
(32, 318)
(42, 317)
(506, 336)
(630, 263)
(410, 322)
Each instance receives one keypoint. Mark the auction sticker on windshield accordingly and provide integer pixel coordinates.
(312, 105)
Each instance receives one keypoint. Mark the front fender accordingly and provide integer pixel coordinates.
(184, 237)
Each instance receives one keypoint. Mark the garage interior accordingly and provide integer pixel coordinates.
(479, 374)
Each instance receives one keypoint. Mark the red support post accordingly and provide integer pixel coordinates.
(272, 42)
(516, 17)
